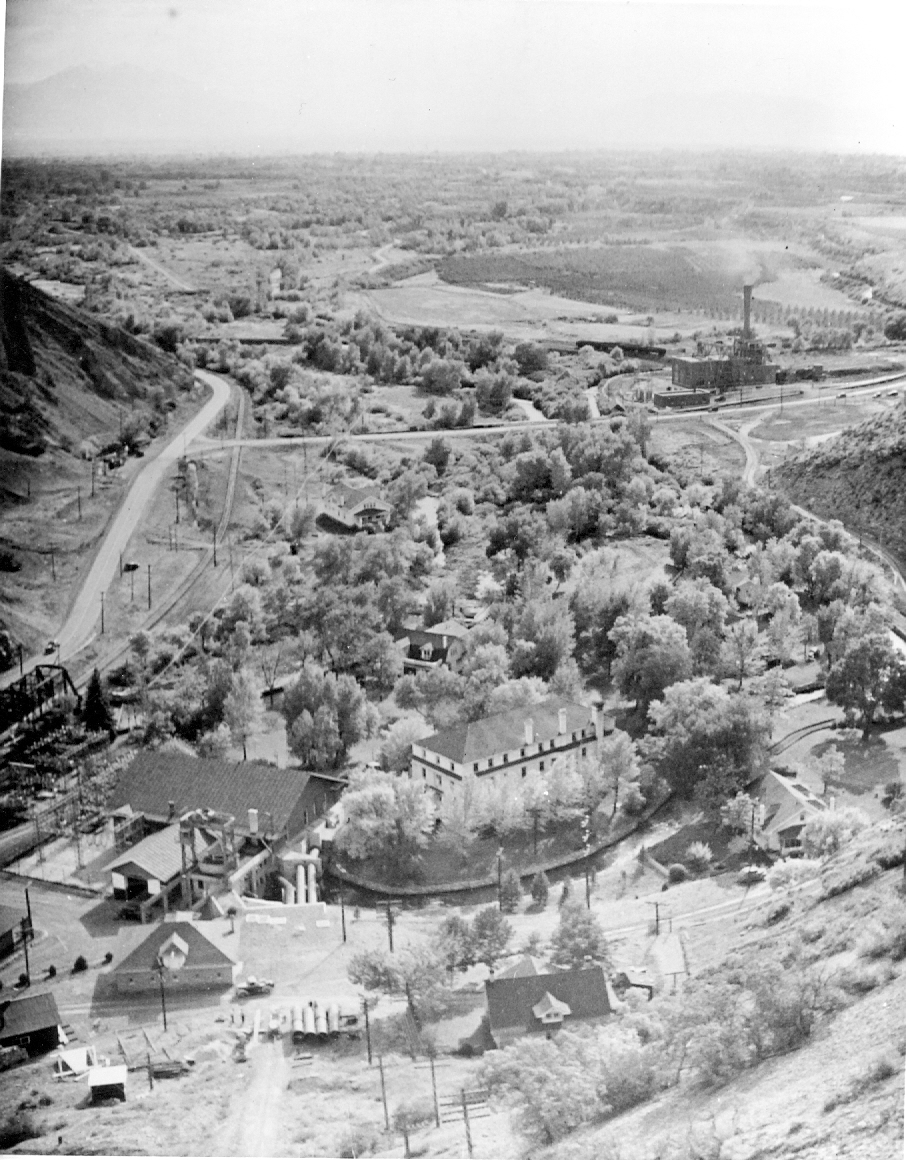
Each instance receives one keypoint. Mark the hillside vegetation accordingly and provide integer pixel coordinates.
(789, 1042)
(66, 374)
(858, 478)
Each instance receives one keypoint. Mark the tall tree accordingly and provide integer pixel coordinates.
(96, 714)
(242, 709)
(579, 939)
(652, 654)
(385, 821)
(870, 676)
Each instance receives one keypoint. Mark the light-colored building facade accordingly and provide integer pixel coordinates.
(507, 747)
(358, 508)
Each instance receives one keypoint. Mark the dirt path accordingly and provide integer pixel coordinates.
(159, 269)
(255, 1124)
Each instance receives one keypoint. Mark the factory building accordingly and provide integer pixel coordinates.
(746, 365)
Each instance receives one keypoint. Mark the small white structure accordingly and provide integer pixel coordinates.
(108, 1083)
(75, 1061)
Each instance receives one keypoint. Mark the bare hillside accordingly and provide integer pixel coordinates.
(859, 478)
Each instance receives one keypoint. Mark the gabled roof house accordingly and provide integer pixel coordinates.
(543, 1004)
(507, 746)
(784, 809)
(189, 955)
(357, 508)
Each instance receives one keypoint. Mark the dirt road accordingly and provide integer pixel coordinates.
(84, 617)
(254, 1127)
(159, 269)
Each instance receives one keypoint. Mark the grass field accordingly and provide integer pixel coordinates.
(826, 417)
(699, 450)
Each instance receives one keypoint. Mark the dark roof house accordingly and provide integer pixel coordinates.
(192, 955)
(542, 1004)
(164, 786)
(32, 1022)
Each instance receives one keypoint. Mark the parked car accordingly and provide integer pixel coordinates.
(51, 647)
(253, 986)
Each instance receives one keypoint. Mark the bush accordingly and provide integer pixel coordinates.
(540, 890)
(81, 964)
(510, 892)
(698, 857)
(792, 870)
(16, 1128)
(888, 943)
(24, 980)
(778, 912)
(677, 872)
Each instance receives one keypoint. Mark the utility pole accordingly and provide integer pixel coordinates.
(53, 564)
(21, 664)
(434, 1091)
(500, 878)
(149, 586)
(25, 936)
(92, 478)
(215, 547)
(343, 914)
(390, 924)
(380, 1060)
(102, 614)
(79, 499)
(367, 1030)
(465, 1120)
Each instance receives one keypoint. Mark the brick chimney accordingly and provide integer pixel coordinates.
(561, 721)
(529, 731)
(746, 311)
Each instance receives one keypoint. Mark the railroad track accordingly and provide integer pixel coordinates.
(184, 588)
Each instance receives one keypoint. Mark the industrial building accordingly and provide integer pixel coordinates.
(746, 364)
(189, 830)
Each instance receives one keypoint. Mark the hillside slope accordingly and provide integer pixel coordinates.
(66, 377)
(859, 478)
(65, 374)
(840, 1094)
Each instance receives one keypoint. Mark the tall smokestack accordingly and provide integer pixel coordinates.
(746, 311)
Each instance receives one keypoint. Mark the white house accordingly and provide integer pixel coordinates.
(507, 746)
(783, 810)
(357, 508)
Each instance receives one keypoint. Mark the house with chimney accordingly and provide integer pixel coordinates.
(507, 747)
(188, 828)
(429, 648)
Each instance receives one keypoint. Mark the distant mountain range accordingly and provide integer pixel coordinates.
(124, 108)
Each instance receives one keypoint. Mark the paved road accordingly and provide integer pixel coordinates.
(82, 622)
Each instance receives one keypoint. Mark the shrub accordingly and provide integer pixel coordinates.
(510, 892)
(698, 857)
(861, 980)
(848, 878)
(24, 980)
(360, 1140)
(677, 872)
(826, 833)
(540, 890)
(81, 964)
(16, 1128)
(792, 870)
(108, 957)
(51, 972)
(778, 912)
(888, 943)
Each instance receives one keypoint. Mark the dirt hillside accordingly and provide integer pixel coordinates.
(859, 478)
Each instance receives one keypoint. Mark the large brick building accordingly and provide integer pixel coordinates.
(507, 746)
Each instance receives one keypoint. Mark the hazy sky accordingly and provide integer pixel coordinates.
(497, 74)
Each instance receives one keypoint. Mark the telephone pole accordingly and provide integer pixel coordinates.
(149, 586)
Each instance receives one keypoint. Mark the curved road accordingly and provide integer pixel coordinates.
(83, 617)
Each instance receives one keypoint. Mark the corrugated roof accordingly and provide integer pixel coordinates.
(510, 1001)
(159, 855)
(25, 1016)
(154, 780)
(473, 740)
(202, 950)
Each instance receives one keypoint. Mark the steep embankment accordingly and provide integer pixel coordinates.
(859, 478)
(65, 374)
(68, 382)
